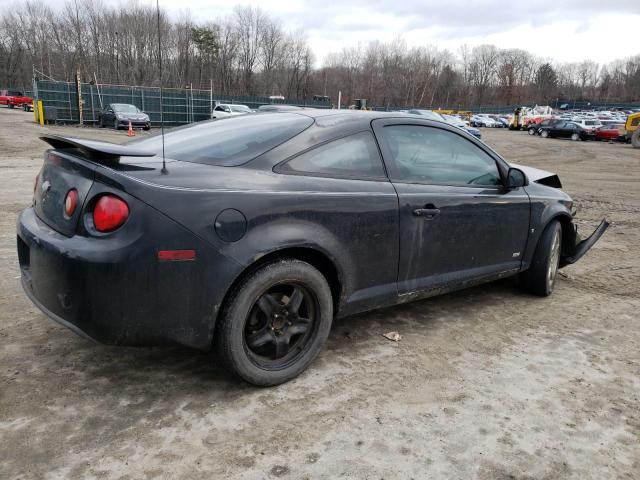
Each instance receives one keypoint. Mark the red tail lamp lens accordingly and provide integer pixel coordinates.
(110, 213)
(71, 202)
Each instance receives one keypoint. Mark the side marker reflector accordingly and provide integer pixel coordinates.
(176, 255)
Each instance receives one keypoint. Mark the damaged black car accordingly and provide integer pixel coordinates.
(252, 233)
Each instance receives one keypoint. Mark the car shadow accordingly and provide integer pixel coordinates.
(182, 373)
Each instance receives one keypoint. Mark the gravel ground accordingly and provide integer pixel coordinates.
(486, 383)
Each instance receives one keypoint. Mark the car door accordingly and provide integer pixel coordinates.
(560, 129)
(457, 220)
(107, 114)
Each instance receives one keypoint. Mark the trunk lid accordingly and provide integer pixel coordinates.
(72, 165)
(61, 173)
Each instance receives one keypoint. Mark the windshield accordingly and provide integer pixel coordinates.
(124, 108)
(240, 109)
(229, 141)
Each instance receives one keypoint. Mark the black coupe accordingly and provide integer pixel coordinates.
(260, 229)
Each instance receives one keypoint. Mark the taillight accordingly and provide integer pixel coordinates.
(110, 213)
(71, 202)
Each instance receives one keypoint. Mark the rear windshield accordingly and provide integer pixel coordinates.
(229, 141)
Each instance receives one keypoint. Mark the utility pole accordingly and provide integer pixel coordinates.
(117, 59)
(79, 93)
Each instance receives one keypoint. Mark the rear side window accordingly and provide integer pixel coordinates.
(353, 156)
(227, 142)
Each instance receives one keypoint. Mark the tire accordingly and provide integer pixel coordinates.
(544, 134)
(100, 123)
(635, 138)
(10, 105)
(261, 336)
(540, 278)
(532, 131)
(575, 137)
(116, 125)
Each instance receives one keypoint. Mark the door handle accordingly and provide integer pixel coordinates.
(427, 213)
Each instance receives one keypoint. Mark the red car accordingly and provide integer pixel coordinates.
(14, 98)
(608, 132)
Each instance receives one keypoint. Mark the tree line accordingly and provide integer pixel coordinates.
(252, 53)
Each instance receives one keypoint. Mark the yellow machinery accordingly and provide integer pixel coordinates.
(632, 129)
(463, 113)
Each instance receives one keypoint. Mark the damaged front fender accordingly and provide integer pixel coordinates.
(579, 247)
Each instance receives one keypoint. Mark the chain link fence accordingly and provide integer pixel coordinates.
(180, 106)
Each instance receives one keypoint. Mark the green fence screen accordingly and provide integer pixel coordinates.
(181, 106)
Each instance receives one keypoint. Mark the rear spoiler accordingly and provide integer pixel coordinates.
(94, 149)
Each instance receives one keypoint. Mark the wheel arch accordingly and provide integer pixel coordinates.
(312, 255)
(567, 228)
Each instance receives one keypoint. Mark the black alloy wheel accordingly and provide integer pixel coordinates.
(275, 322)
(279, 325)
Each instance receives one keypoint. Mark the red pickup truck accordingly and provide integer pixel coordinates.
(14, 98)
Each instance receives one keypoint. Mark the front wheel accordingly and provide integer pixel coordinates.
(544, 134)
(575, 137)
(540, 278)
(275, 322)
(635, 138)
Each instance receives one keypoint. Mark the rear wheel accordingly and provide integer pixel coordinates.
(10, 105)
(275, 322)
(544, 134)
(575, 137)
(532, 131)
(540, 278)
(635, 138)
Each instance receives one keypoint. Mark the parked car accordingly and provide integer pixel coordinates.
(588, 124)
(484, 121)
(14, 98)
(504, 121)
(264, 228)
(565, 130)
(609, 132)
(458, 122)
(118, 115)
(229, 110)
(430, 114)
(278, 107)
(534, 129)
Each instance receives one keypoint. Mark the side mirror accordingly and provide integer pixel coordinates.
(516, 178)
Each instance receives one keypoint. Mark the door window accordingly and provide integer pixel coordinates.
(353, 156)
(432, 155)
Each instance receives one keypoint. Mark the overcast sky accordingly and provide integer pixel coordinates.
(564, 30)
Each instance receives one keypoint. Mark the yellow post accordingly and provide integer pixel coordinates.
(41, 112)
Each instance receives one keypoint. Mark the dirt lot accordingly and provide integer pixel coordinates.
(486, 383)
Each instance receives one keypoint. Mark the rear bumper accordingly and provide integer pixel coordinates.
(115, 291)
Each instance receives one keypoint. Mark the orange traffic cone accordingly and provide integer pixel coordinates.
(130, 132)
